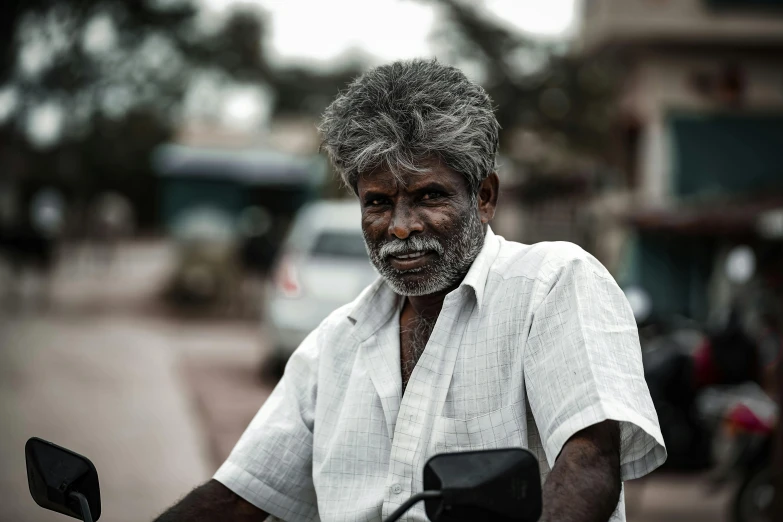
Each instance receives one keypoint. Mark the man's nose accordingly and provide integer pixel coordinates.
(404, 222)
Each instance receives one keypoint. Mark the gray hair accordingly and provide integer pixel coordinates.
(403, 115)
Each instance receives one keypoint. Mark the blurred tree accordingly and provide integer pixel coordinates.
(300, 90)
(535, 85)
(88, 88)
(91, 87)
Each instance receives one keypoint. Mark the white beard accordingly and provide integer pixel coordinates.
(453, 261)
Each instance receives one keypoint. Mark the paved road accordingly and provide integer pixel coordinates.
(101, 372)
(109, 390)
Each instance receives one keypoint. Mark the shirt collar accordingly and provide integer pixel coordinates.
(374, 306)
(476, 277)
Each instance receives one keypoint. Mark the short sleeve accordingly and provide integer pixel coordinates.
(271, 465)
(583, 366)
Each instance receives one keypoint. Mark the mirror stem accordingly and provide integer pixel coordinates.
(85, 507)
(424, 495)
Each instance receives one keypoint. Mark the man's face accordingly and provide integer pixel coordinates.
(423, 235)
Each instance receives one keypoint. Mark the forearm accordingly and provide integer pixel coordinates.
(584, 484)
(212, 501)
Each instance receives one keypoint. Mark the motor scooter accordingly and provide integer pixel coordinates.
(490, 485)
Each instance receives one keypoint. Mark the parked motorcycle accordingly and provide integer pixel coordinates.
(745, 443)
(499, 485)
(684, 360)
(679, 376)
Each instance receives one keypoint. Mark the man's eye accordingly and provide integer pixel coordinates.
(374, 202)
(431, 196)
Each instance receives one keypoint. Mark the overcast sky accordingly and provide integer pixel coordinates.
(318, 31)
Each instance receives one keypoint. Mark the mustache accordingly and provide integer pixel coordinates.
(398, 247)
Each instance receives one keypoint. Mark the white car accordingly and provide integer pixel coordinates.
(323, 265)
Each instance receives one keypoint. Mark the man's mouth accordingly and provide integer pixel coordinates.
(410, 260)
(412, 255)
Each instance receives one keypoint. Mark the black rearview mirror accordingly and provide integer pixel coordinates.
(498, 485)
(62, 481)
(491, 485)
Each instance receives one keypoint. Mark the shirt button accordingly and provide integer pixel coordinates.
(396, 489)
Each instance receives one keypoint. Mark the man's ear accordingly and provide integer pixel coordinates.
(488, 197)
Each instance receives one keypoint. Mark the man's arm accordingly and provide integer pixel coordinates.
(212, 501)
(584, 484)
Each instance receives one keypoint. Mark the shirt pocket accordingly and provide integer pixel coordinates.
(501, 428)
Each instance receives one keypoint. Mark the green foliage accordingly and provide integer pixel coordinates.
(107, 59)
(115, 76)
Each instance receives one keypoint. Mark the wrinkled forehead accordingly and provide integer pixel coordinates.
(392, 180)
(385, 178)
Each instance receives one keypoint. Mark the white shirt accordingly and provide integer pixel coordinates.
(537, 343)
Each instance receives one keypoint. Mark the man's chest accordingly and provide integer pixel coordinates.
(471, 365)
(459, 397)
(415, 332)
(465, 392)
(408, 357)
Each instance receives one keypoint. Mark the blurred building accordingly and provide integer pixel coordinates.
(545, 190)
(699, 139)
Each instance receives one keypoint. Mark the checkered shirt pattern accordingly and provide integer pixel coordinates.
(537, 343)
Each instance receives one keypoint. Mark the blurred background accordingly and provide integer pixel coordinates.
(169, 232)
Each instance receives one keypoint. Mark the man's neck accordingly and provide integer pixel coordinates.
(428, 306)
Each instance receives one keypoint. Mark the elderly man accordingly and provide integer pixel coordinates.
(466, 341)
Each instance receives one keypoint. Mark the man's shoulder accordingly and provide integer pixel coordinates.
(341, 320)
(541, 261)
